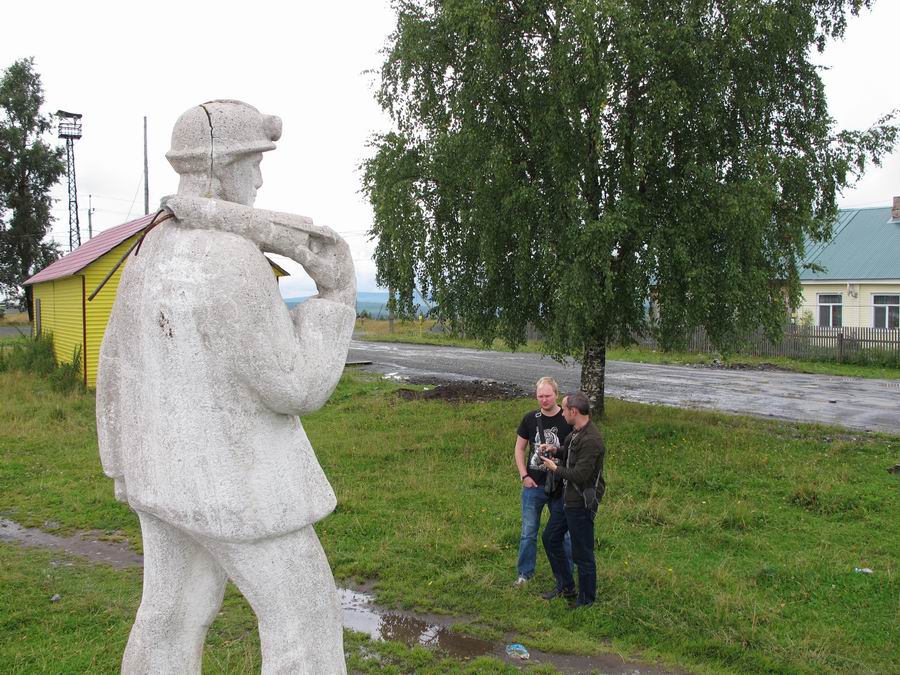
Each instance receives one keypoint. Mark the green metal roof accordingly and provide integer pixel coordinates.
(864, 245)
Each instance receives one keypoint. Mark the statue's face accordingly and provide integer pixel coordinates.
(240, 179)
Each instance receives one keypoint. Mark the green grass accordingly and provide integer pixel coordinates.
(37, 357)
(86, 629)
(422, 333)
(413, 332)
(724, 544)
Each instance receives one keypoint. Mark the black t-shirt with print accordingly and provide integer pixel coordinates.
(555, 431)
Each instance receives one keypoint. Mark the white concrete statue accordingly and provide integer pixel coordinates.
(203, 373)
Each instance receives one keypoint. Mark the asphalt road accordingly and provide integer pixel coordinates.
(856, 403)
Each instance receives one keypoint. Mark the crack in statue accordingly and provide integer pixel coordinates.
(203, 373)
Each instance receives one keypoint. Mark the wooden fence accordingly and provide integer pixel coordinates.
(808, 343)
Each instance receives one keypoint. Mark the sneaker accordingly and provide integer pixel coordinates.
(560, 593)
(521, 581)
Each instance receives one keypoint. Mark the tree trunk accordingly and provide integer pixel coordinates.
(29, 290)
(593, 374)
(391, 309)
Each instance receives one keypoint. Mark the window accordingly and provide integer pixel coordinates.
(830, 310)
(887, 311)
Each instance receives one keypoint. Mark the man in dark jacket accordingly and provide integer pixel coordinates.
(579, 463)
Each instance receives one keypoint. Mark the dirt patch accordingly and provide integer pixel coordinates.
(761, 367)
(465, 391)
(88, 545)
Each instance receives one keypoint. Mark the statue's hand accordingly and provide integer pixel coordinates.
(328, 261)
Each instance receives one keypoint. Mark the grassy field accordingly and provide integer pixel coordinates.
(421, 333)
(725, 544)
(86, 629)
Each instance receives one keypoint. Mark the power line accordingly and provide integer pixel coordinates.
(137, 189)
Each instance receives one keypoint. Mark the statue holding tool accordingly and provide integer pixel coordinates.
(203, 374)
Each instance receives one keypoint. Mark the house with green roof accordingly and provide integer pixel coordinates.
(854, 278)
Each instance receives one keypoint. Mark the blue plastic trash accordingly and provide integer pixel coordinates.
(517, 651)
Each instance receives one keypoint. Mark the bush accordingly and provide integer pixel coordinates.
(68, 376)
(36, 355)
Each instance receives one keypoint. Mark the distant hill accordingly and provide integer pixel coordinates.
(373, 302)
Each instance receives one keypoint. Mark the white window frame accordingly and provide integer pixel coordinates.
(886, 306)
(831, 311)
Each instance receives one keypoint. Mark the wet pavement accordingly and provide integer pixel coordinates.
(361, 613)
(12, 331)
(856, 403)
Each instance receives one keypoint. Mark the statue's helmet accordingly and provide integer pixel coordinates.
(217, 132)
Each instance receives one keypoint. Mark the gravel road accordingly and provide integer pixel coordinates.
(856, 403)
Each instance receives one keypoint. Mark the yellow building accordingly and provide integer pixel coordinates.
(60, 295)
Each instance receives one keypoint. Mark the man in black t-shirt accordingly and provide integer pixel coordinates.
(533, 473)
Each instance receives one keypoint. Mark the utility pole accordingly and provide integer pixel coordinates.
(70, 129)
(146, 176)
(90, 211)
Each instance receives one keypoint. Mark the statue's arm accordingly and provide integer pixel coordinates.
(292, 360)
(289, 361)
(322, 252)
(323, 329)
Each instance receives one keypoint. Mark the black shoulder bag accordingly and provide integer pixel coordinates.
(591, 495)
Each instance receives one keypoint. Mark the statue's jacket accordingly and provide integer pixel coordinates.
(203, 373)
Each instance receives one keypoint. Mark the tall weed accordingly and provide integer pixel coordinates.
(37, 356)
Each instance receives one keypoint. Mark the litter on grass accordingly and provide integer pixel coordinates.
(517, 651)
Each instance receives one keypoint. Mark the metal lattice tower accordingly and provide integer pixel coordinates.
(70, 129)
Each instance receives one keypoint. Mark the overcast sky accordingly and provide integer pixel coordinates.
(116, 62)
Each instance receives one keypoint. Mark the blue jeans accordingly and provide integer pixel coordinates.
(533, 502)
(578, 523)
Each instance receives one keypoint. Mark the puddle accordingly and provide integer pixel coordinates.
(363, 615)
(360, 612)
(436, 632)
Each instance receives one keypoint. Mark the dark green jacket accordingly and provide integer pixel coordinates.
(581, 463)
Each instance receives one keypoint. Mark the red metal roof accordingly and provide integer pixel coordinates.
(88, 252)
